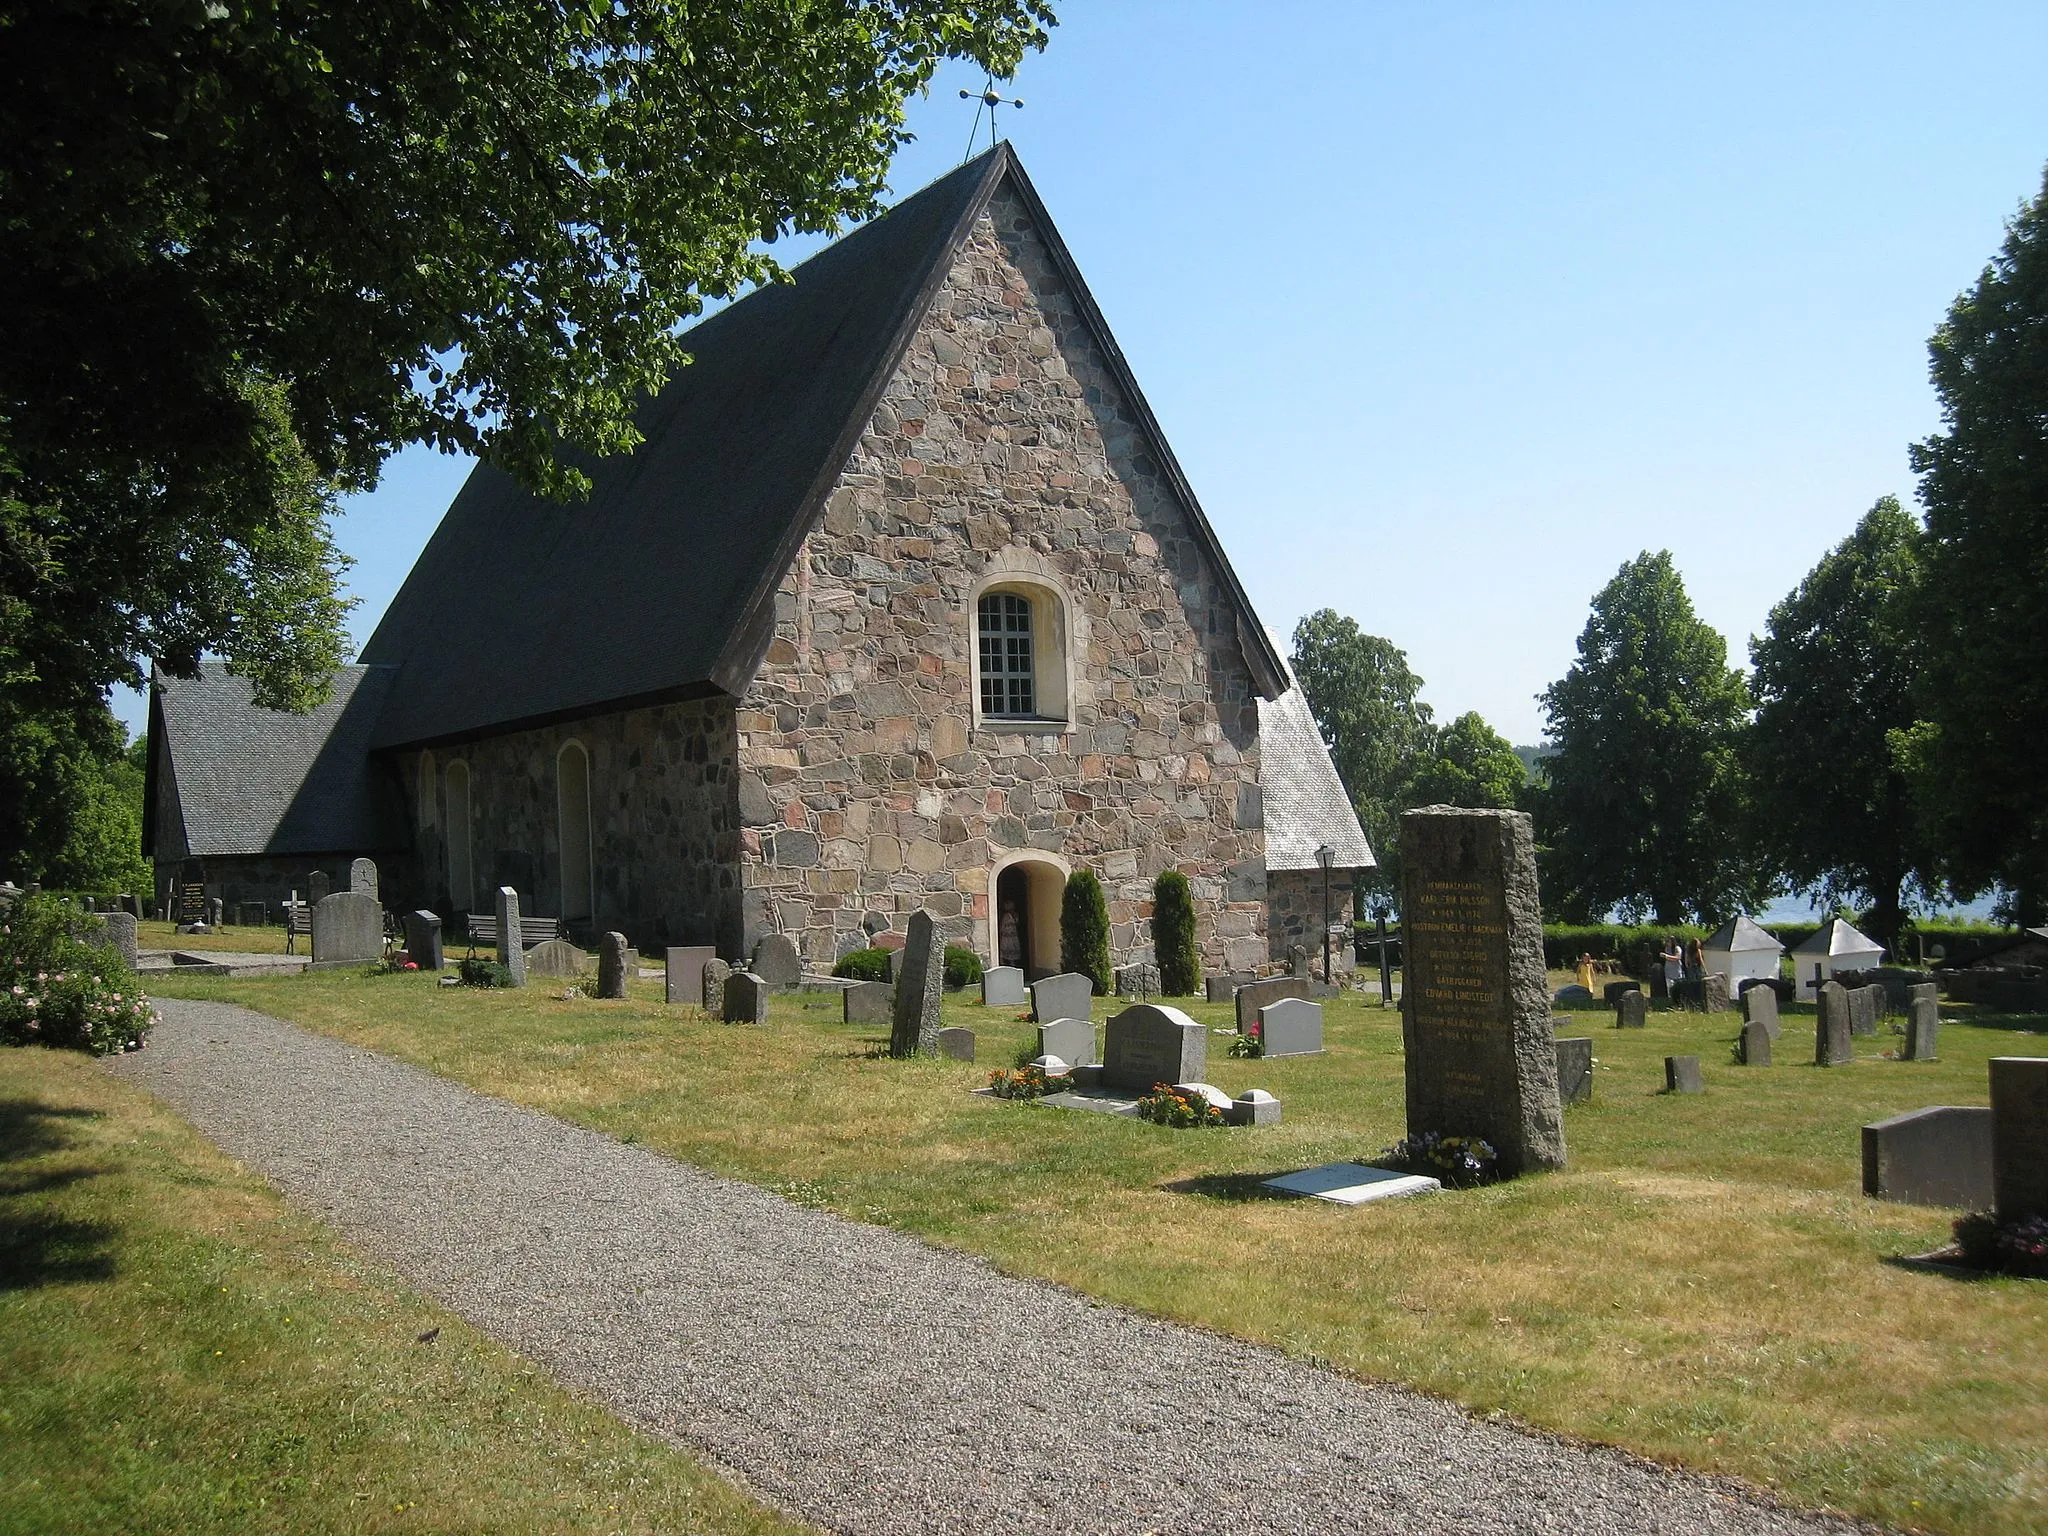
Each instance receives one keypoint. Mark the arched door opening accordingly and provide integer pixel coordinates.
(461, 883)
(1025, 920)
(572, 806)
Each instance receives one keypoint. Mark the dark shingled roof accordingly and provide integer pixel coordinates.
(254, 781)
(521, 611)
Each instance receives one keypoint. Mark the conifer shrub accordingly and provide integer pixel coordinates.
(863, 965)
(1084, 931)
(1173, 935)
(963, 967)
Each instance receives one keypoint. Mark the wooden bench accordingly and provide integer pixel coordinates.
(483, 931)
(298, 919)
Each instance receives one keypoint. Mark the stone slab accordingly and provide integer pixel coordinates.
(956, 1044)
(1682, 1075)
(1865, 1004)
(1255, 1107)
(1291, 1027)
(1923, 1022)
(746, 999)
(1352, 1184)
(1141, 980)
(1254, 995)
(1220, 989)
(776, 961)
(423, 940)
(1754, 1048)
(614, 955)
(362, 877)
(556, 957)
(920, 989)
(716, 974)
(1072, 1040)
(120, 937)
(348, 927)
(2019, 1136)
(1935, 1156)
(1632, 1010)
(1760, 1006)
(1098, 1103)
(1002, 986)
(1151, 1043)
(1714, 992)
(869, 1002)
(1573, 997)
(1575, 1069)
(1614, 989)
(1069, 995)
(511, 952)
(683, 972)
(1831, 1036)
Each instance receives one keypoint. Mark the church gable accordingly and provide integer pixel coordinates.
(1009, 649)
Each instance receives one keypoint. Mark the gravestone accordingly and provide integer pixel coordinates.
(120, 936)
(746, 999)
(1936, 1156)
(1682, 1075)
(1475, 1003)
(716, 974)
(1255, 1107)
(217, 911)
(1614, 989)
(348, 926)
(613, 957)
(423, 940)
(1291, 1027)
(868, 1002)
(1002, 986)
(1714, 989)
(1631, 1011)
(1831, 1047)
(1220, 989)
(920, 989)
(556, 957)
(1141, 980)
(1573, 996)
(1575, 1069)
(1253, 996)
(132, 905)
(2019, 1136)
(683, 972)
(1760, 1006)
(777, 962)
(511, 953)
(362, 877)
(1072, 1040)
(1923, 1021)
(1297, 961)
(1150, 1043)
(1069, 995)
(956, 1044)
(316, 887)
(1864, 1006)
(1755, 1045)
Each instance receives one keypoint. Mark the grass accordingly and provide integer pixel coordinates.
(1705, 1284)
(150, 934)
(181, 1352)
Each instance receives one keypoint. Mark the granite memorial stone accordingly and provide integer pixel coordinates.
(362, 877)
(1831, 1047)
(1714, 991)
(1475, 1003)
(1069, 995)
(683, 972)
(1573, 997)
(1936, 1156)
(423, 940)
(1151, 1043)
(869, 1002)
(777, 962)
(1865, 1003)
(1220, 989)
(1072, 1040)
(920, 989)
(1923, 1022)
(1755, 1045)
(1255, 995)
(1631, 1011)
(1682, 1075)
(347, 926)
(511, 952)
(316, 887)
(1254, 1107)
(746, 999)
(1575, 1069)
(1002, 986)
(1760, 1006)
(2019, 1136)
(716, 974)
(956, 1044)
(1291, 1027)
(556, 957)
(121, 938)
(614, 956)
(1614, 989)
(1140, 980)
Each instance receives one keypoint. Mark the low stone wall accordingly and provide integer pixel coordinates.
(2021, 990)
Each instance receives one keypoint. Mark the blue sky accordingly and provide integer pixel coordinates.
(1450, 310)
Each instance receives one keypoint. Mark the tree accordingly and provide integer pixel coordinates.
(1471, 764)
(1173, 935)
(70, 801)
(251, 251)
(1084, 931)
(1643, 806)
(1837, 673)
(1984, 483)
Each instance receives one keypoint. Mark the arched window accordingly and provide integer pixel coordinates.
(428, 788)
(1021, 645)
(461, 884)
(572, 823)
(1008, 668)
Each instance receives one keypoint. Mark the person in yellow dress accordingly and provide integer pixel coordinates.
(1586, 970)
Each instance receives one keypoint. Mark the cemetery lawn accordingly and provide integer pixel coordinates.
(1705, 1284)
(150, 934)
(179, 1351)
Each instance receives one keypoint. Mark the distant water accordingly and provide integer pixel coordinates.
(1792, 909)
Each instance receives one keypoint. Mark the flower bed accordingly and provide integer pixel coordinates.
(1177, 1107)
(1460, 1161)
(1030, 1082)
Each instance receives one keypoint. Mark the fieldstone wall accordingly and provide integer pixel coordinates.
(1294, 903)
(867, 788)
(663, 837)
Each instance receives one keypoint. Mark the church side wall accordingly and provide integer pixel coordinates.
(1295, 916)
(867, 787)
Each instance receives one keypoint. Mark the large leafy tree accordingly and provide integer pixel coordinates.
(1837, 673)
(252, 247)
(1643, 807)
(1984, 483)
(70, 801)
(1468, 763)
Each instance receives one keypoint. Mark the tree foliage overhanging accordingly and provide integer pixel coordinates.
(251, 249)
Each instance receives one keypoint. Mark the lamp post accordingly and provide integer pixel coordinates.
(1386, 964)
(1326, 856)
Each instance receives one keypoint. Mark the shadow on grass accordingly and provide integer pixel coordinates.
(1234, 1187)
(37, 1248)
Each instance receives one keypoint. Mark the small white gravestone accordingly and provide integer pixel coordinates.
(1069, 995)
(1072, 1040)
(1353, 1183)
(1291, 1027)
(1002, 986)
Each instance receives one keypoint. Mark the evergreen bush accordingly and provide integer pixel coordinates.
(1173, 935)
(1084, 931)
(963, 966)
(863, 965)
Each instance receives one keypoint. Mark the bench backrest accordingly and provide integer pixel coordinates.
(483, 929)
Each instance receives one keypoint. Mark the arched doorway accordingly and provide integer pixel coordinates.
(572, 823)
(461, 883)
(1024, 915)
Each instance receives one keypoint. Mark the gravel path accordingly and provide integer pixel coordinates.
(851, 1375)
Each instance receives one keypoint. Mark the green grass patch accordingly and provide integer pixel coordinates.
(181, 1352)
(1705, 1284)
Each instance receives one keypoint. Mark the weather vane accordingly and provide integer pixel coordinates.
(986, 99)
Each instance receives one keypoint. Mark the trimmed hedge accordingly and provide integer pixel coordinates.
(1632, 946)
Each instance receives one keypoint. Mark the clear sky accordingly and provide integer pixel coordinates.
(1450, 310)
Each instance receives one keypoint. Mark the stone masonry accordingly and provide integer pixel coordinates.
(1295, 916)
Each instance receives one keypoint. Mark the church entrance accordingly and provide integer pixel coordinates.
(1026, 917)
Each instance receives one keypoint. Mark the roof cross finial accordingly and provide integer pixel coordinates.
(986, 99)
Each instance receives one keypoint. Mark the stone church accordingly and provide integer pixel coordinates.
(904, 602)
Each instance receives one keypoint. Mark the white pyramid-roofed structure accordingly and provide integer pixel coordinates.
(1739, 936)
(1740, 950)
(1835, 948)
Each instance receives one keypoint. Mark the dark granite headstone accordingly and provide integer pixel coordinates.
(1573, 997)
(777, 962)
(1253, 996)
(317, 888)
(614, 958)
(1831, 1047)
(1069, 995)
(1072, 1040)
(1755, 1045)
(1682, 1075)
(746, 999)
(1002, 986)
(920, 989)
(132, 905)
(1575, 1069)
(511, 952)
(2019, 1136)
(348, 926)
(956, 1044)
(423, 940)
(1151, 1043)
(1938, 1156)
(120, 937)
(1475, 1003)
(1760, 1006)
(1923, 1022)
(1141, 980)
(1865, 1003)
(1714, 992)
(362, 877)
(1292, 1026)
(716, 974)
(1631, 1011)
(556, 957)
(1220, 989)
(683, 972)
(869, 1002)
(1614, 989)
